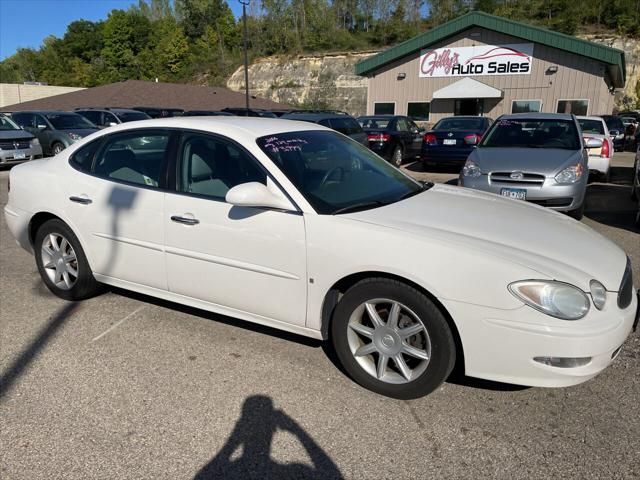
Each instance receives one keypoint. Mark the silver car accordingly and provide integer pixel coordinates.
(537, 157)
(16, 145)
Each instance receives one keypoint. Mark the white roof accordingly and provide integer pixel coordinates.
(468, 88)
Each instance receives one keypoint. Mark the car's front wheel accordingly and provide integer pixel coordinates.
(392, 339)
(62, 263)
(57, 147)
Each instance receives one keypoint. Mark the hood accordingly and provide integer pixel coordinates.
(14, 134)
(552, 244)
(544, 161)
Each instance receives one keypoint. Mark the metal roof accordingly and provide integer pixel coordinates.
(610, 56)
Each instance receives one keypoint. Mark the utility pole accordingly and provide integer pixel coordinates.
(246, 60)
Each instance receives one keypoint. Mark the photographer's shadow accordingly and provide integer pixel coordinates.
(247, 451)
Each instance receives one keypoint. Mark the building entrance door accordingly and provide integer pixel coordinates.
(469, 106)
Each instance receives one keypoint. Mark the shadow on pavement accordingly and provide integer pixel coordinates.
(235, 322)
(611, 204)
(417, 166)
(247, 452)
(20, 364)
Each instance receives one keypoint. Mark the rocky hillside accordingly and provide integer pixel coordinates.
(328, 81)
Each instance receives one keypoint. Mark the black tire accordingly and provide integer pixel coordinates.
(56, 148)
(396, 156)
(442, 346)
(85, 284)
(578, 213)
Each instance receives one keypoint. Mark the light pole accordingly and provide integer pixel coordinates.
(246, 60)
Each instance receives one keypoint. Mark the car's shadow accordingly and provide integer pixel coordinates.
(611, 203)
(417, 166)
(455, 378)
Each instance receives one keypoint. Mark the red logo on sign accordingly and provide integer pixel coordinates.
(432, 60)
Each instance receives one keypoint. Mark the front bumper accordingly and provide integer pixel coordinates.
(501, 345)
(22, 155)
(562, 198)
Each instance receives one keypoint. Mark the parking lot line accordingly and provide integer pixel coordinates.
(118, 323)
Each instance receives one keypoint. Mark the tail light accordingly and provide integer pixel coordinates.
(606, 149)
(472, 139)
(430, 139)
(379, 137)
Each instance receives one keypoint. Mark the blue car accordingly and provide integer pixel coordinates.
(451, 140)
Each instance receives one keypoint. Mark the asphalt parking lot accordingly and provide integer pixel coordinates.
(126, 386)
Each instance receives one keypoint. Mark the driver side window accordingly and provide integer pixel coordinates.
(210, 167)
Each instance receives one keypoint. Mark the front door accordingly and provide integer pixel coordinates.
(118, 208)
(245, 259)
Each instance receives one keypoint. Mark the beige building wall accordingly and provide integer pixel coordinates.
(11, 93)
(577, 78)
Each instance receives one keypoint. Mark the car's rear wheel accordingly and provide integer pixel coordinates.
(62, 263)
(392, 339)
(57, 147)
(396, 158)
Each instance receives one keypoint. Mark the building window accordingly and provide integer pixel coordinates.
(577, 107)
(384, 108)
(418, 110)
(526, 106)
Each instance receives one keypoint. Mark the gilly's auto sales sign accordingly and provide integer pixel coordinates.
(478, 60)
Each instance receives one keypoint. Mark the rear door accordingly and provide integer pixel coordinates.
(118, 206)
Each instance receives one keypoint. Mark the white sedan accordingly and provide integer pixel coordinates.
(297, 227)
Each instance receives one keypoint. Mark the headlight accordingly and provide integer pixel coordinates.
(570, 174)
(471, 169)
(598, 294)
(34, 141)
(74, 136)
(556, 299)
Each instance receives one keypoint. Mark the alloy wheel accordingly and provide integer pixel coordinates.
(59, 261)
(389, 341)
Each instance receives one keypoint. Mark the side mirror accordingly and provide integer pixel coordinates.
(594, 143)
(255, 194)
(41, 127)
(421, 131)
(614, 133)
(112, 124)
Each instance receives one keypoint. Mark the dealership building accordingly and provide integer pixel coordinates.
(480, 64)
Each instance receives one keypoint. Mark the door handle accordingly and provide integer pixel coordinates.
(82, 200)
(185, 220)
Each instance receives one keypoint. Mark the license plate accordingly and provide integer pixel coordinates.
(449, 141)
(515, 193)
(19, 155)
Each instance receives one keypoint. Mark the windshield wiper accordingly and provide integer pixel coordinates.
(359, 206)
(423, 187)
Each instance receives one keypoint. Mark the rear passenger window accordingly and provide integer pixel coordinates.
(133, 157)
(211, 167)
(83, 158)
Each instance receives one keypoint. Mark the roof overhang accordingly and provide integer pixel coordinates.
(468, 88)
(613, 58)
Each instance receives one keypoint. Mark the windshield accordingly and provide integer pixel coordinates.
(374, 123)
(7, 124)
(335, 173)
(69, 121)
(132, 116)
(532, 133)
(459, 124)
(591, 126)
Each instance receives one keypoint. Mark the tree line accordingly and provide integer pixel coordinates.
(201, 40)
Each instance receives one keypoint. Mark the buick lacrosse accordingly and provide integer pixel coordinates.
(297, 227)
